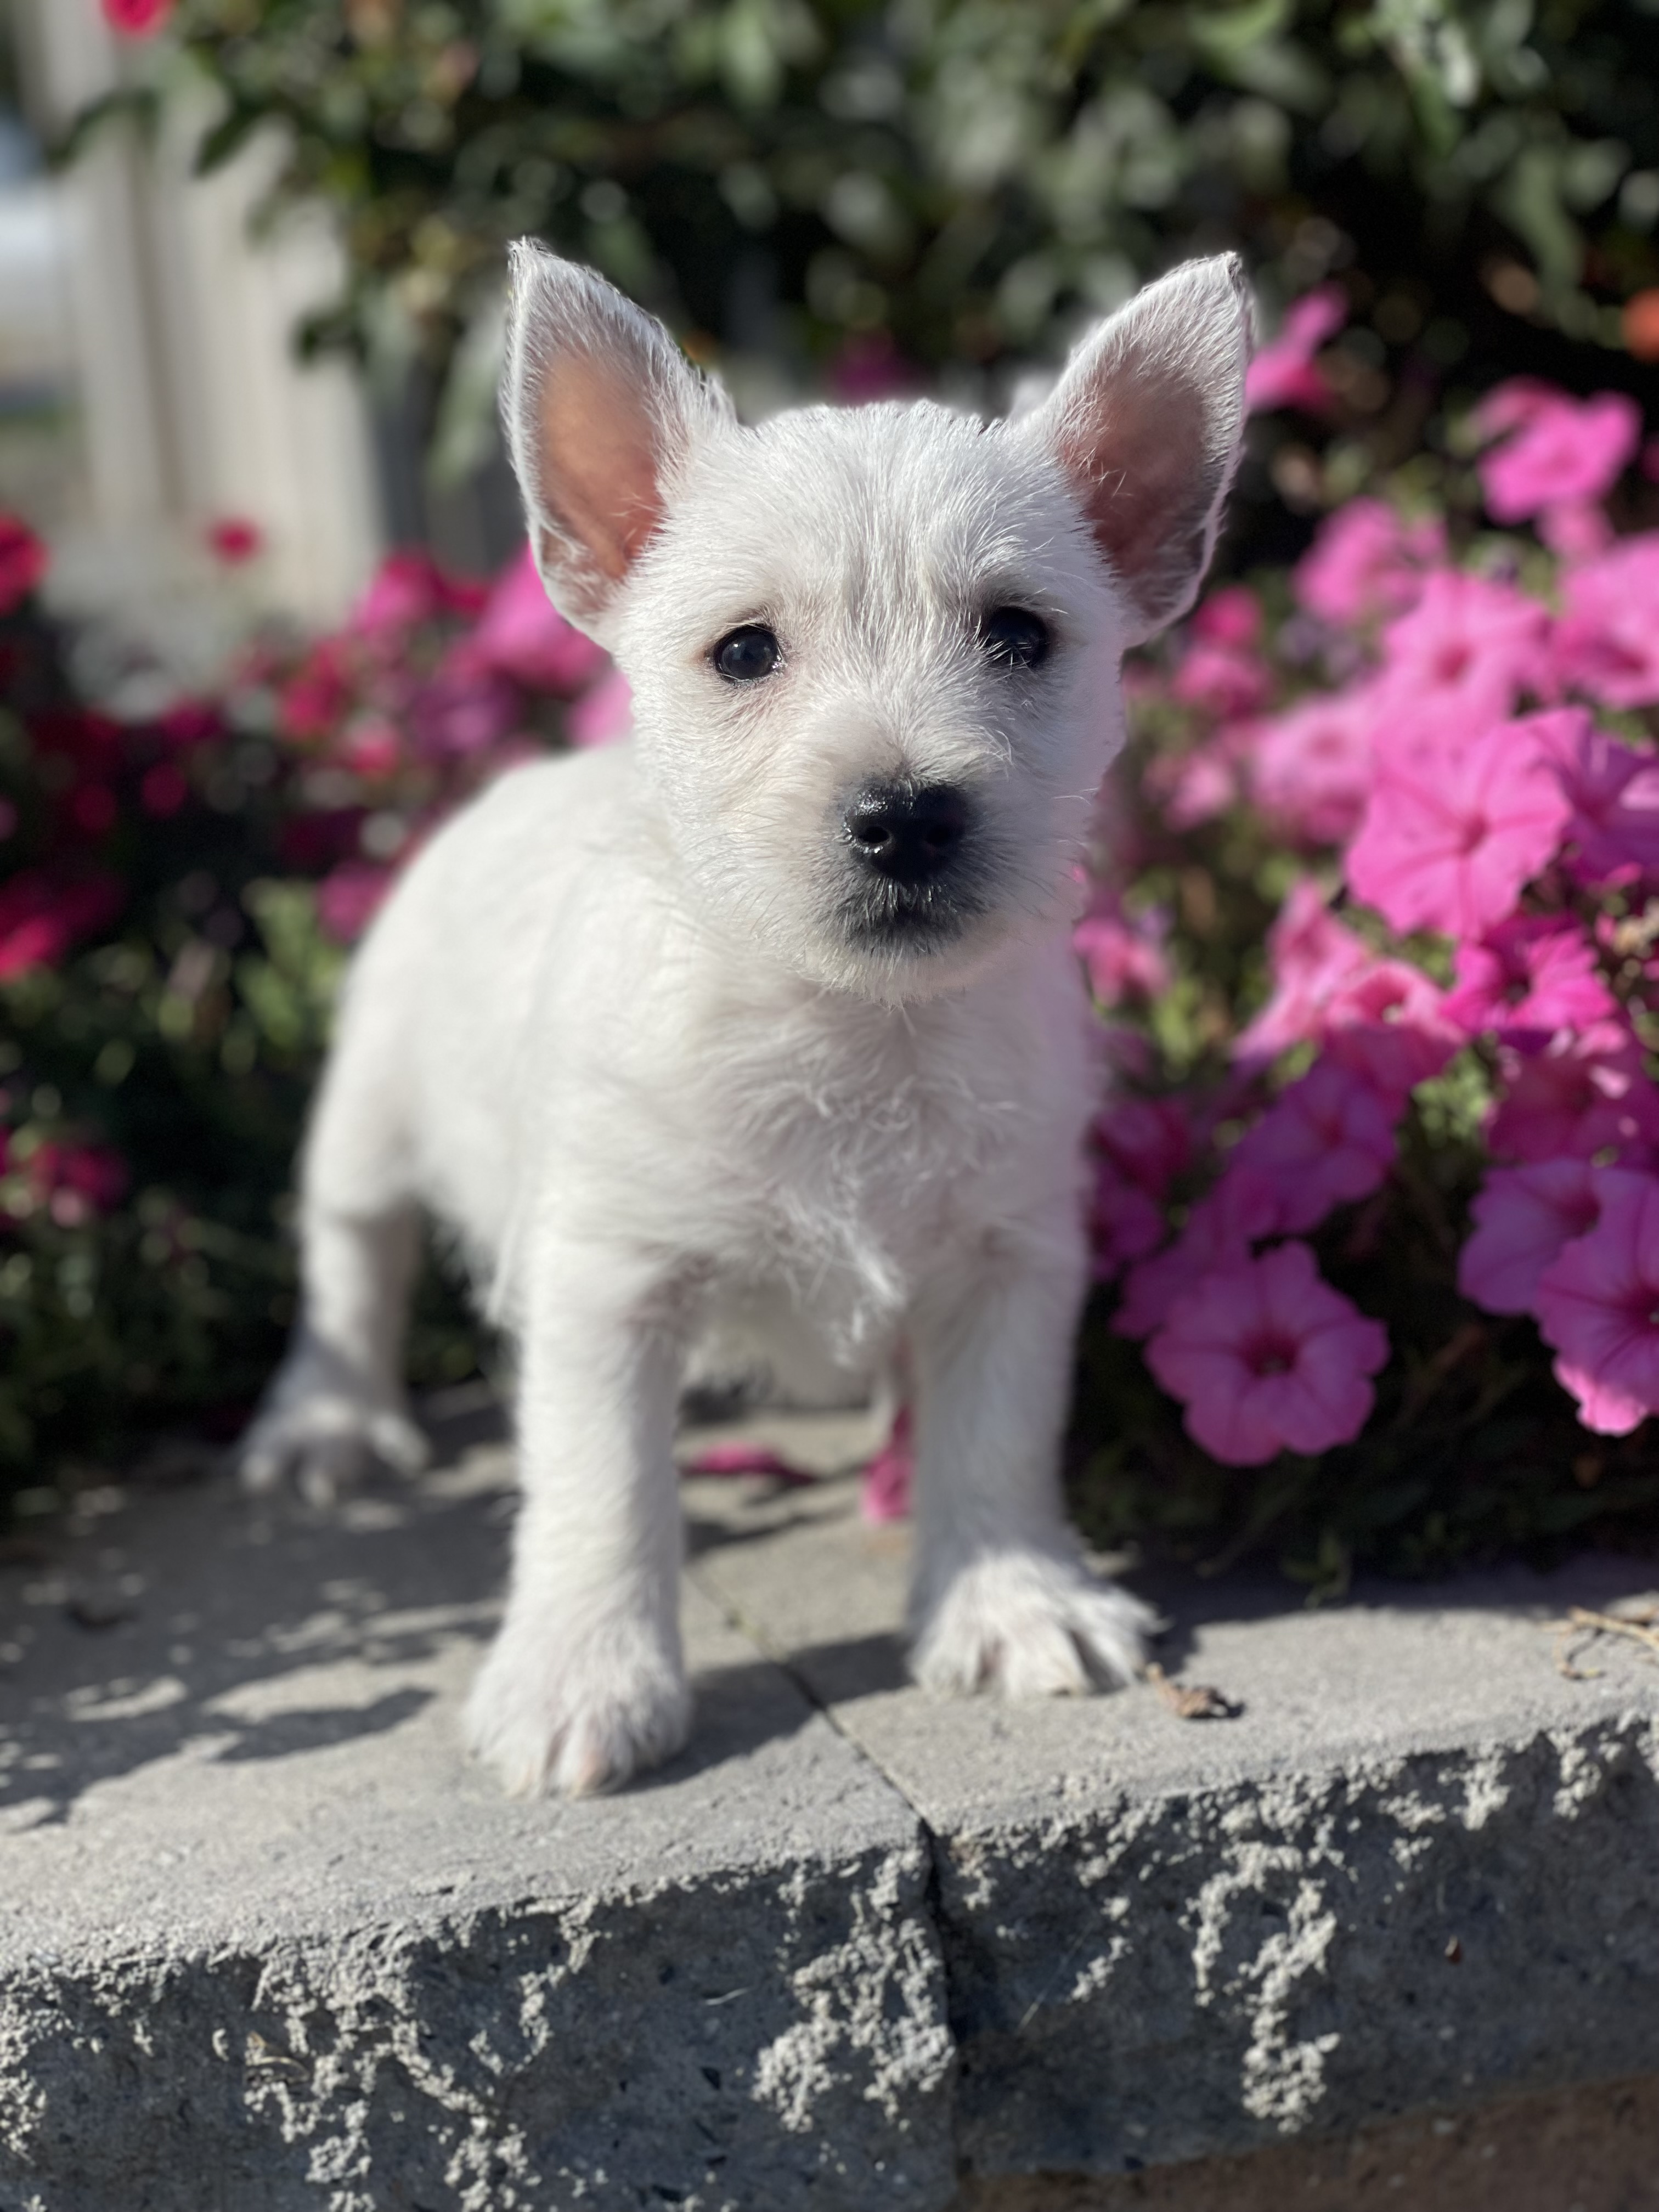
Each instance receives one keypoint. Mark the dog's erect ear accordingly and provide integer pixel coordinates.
(1146, 422)
(601, 411)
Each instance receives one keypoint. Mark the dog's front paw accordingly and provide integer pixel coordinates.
(577, 1716)
(1030, 1626)
(321, 1431)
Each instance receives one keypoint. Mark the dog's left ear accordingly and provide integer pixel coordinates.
(1145, 423)
(602, 411)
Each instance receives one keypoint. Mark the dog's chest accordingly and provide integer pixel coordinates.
(862, 1147)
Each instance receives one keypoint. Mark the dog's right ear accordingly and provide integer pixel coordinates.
(601, 410)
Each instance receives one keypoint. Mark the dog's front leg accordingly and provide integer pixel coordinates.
(1001, 1599)
(584, 1684)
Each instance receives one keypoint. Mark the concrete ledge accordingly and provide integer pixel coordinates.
(268, 1943)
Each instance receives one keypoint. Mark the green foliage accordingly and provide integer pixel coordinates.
(961, 181)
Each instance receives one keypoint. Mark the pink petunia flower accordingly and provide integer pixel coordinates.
(1607, 642)
(1221, 680)
(1230, 616)
(1366, 563)
(42, 917)
(1265, 1356)
(1125, 1222)
(1534, 973)
(1309, 770)
(1585, 1092)
(1326, 1140)
(349, 898)
(1386, 1023)
(1522, 1218)
(74, 1182)
(1613, 792)
(1598, 1307)
(1311, 954)
(233, 540)
(407, 589)
(1557, 451)
(23, 561)
(1449, 840)
(522, 635)
(1283, 374)
(1219, 1231)
(1470, 646)
(1124, 956)
(1149, 1139)
(137, 18)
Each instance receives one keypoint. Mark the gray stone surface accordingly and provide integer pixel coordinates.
(269, 1944)
(268, 1941)
(1419, 1868)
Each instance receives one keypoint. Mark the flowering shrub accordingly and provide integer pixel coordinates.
(175, 898)
(1378, 1203)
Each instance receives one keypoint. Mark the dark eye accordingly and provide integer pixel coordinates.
(1014, 638)
(749, 653)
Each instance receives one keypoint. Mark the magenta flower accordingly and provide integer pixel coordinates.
(1265, 1356)
(349, 898)
(1598, 1307)
(1522, 1218)
(1230, 616)
(1219, 1231)
(1450, 839)
(1366, 563)
(23, 561)
(522, 635)
(1149, 1139)
(1385, 1022)
(408, 588)
(1220, 680)
(1559, 452)
(1310, 955)
(1585, 1092)
(137, 18)
(1125, 1222)
(43, 916)
(1613, 790)
(1326, 1140)
(1469, 645)
(1607, 642)
(1283, 372)
(1124, 956)
(1310, 769)
(1531, 976)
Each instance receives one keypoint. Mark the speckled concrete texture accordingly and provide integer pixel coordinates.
(268, 1943)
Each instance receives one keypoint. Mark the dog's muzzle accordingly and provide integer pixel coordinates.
(909, 847)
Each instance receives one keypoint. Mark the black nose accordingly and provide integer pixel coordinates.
(908, 832)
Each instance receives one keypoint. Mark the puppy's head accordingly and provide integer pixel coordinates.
(874, 651)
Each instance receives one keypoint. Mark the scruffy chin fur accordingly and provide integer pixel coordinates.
(663, 1036)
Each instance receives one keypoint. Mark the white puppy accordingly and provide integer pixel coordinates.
(773, 1007)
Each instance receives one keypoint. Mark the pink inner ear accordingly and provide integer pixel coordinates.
(598, 463)
(1137, 461)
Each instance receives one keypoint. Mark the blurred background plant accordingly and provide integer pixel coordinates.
(886, 192)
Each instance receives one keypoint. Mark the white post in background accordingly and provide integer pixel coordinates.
(194, 407)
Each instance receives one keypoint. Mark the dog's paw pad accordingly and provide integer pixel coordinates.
(575, 1722)
(1031, 1626)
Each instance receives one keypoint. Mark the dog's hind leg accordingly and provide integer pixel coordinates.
(336, 1404)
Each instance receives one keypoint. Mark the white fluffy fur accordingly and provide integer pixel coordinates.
(611, 1029)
